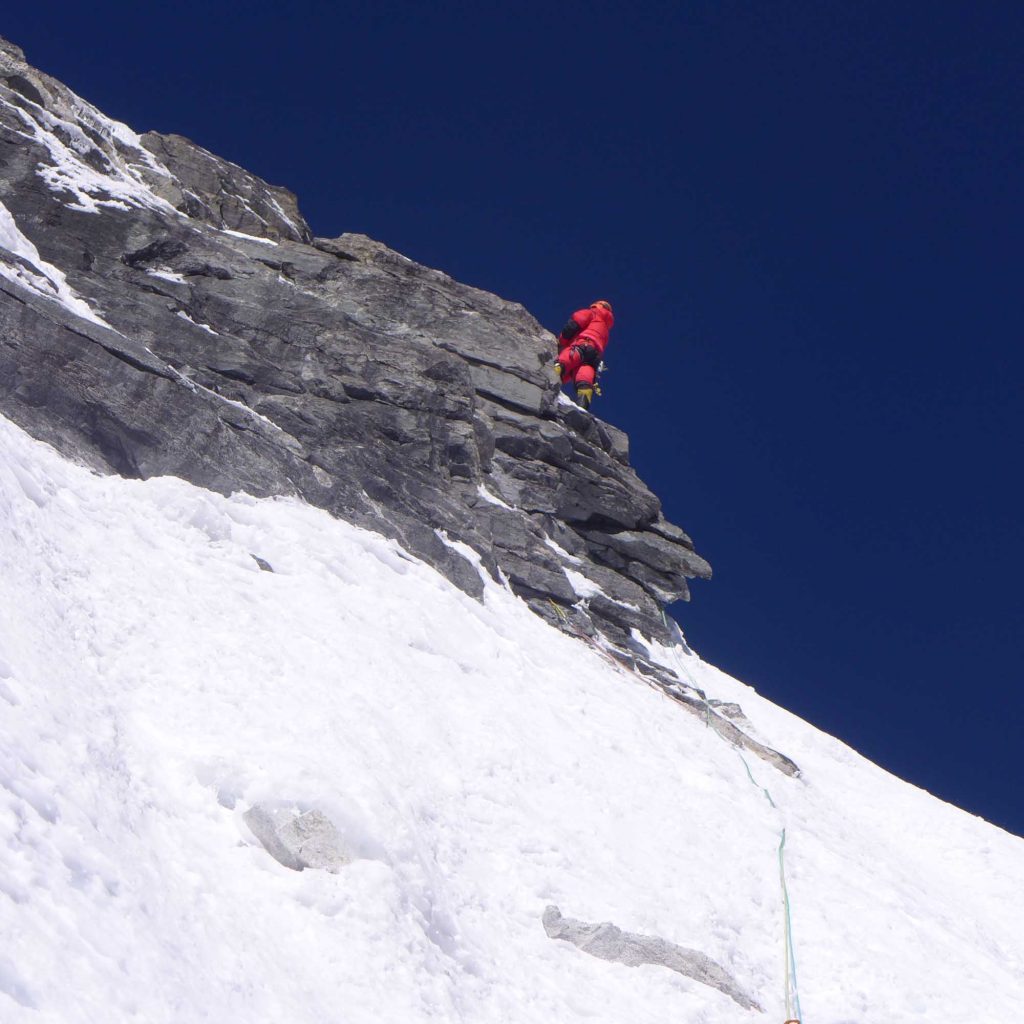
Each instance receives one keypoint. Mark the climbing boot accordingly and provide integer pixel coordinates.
(558, 370)
(584, 395)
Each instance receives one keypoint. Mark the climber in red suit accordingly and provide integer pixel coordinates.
(581, 346)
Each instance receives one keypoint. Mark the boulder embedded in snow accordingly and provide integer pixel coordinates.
(298, 839)
(607, 942)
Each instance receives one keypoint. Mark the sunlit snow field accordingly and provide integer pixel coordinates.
(154, 683)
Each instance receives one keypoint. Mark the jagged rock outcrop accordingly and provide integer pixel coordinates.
(210, 189)
(163, 311)
(332, 368)
(606, 941)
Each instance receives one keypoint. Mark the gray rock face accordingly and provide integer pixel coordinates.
(607, 942)
(220, 193)
(298, 839)
(181, 318)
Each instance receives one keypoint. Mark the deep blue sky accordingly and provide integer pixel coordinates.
(809, 219)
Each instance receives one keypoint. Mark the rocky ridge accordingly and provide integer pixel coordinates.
(163, 311)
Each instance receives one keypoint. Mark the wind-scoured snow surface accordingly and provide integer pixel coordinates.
(155, 683)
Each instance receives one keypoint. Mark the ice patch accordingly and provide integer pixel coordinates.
(120, 185)
(166, 275)
(280, 212)
(561, 552)
(252, 238)
(470, 554)
(492, 499)
(31, 271)
(205, 327)
(584, 588)
(194, 385)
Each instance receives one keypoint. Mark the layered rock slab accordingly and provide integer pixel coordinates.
(238, 351)
(225, 344)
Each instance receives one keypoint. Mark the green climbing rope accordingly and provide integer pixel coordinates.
(792, 991)
(750, 776)
(793, 1011)
(559, 611)
(681, 669)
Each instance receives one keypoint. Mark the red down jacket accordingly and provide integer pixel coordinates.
(595, 325)
(592, 328)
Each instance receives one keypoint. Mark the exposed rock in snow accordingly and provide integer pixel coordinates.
(607, 942)
(728, 708)
(298, 839)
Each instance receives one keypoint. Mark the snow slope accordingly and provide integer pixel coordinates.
(154, 683)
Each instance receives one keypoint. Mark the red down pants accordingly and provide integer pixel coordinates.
(579, 364)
